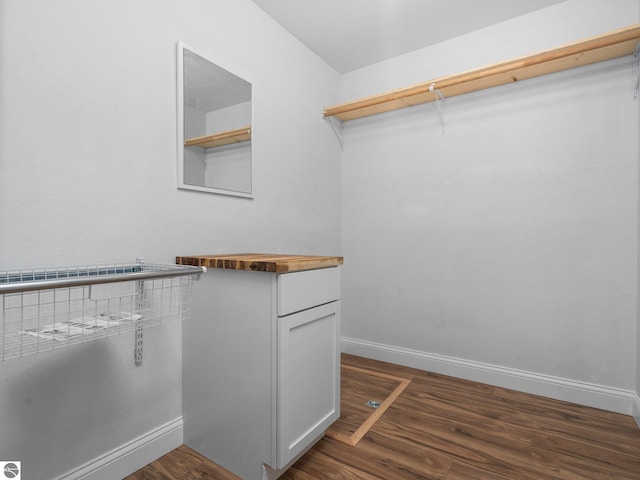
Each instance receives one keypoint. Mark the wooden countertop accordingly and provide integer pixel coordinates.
(261, 262)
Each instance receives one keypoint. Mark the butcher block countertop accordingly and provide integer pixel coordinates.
(261, 262)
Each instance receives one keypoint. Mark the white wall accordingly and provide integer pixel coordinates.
(636, 411)
(229, 167)
(88, 174)
(194, 158)
(504, 250)
(228, 118)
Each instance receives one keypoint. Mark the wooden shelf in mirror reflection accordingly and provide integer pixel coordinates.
(222, 138)
(615, 44)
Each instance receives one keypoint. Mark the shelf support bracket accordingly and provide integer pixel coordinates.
(636, 72)
(138, 330)
(439, 100)
(336, 126)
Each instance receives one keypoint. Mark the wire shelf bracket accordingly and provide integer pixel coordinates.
(137, 353)
(439, 104)
(337, 127)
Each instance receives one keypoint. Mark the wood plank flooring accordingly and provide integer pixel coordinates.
(446, 428)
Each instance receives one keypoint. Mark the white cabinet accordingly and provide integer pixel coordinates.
(261, 367)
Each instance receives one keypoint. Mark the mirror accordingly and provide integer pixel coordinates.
(214, 127)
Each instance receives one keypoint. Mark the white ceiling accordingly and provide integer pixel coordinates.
(350, 34)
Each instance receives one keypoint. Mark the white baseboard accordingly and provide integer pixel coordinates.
(636, 409)
(588, 394)
(127, 458)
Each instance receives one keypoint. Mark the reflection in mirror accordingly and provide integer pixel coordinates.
(214, 127)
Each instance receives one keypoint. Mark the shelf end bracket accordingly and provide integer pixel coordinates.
(336, 126)
(138, 327)
(439, 103)
(636, 72)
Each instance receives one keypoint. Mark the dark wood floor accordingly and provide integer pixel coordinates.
(450, 429)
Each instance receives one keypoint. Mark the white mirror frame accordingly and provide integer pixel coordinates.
(180, 126)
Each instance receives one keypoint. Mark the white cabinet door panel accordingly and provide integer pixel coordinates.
(308, 377)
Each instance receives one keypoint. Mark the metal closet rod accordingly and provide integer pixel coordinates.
(88, 277)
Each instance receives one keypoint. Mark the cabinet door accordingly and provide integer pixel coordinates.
(308, 378)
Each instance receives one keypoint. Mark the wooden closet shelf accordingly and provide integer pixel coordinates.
(615, 44)
(223, 138)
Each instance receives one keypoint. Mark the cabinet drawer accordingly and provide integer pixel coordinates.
(301, 290)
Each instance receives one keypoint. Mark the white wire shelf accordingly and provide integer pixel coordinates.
(48, 308)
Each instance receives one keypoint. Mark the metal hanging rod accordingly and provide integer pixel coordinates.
(17, 282)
